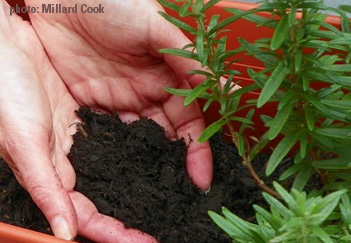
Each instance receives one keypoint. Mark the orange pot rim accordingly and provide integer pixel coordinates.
(14, 234)
(334, 20)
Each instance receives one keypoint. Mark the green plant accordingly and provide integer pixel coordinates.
(307, 66)
(300, 218)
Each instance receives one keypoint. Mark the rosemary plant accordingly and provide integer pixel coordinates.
(307, 67)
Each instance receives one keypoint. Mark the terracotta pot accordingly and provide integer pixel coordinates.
(242, 28)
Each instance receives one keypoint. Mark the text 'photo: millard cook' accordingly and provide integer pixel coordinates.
(57, 8)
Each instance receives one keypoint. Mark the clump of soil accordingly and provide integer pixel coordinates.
(132, 172)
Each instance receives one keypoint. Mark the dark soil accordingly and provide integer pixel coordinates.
(132, 172)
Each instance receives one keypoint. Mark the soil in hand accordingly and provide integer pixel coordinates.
(132, 172)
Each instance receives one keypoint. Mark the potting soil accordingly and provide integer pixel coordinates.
(133, 173)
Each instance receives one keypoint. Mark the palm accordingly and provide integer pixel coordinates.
(109, 61)
(104, 57)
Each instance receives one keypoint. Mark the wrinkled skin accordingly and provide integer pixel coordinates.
(109, 62)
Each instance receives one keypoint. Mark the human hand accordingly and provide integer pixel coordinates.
(36, 111)
(110, 61)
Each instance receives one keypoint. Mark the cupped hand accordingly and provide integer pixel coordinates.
(36, 111)
(110, 61)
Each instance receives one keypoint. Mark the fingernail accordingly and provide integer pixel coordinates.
(207, 191)
(61, 228)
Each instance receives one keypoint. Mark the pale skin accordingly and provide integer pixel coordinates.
(109, 62)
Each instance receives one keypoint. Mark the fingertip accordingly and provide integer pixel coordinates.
(59, 211)
(53, 200)
(128, 117)
(61, 229)
(200, 167)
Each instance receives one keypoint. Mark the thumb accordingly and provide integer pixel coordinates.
(174, 38)
(36, 173)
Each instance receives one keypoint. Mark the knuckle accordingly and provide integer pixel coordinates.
(40, 195)
(43, 196)
(188, 125)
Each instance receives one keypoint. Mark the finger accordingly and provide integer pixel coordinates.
(185, 120)
(188, 121)
(174, 39)
(40, 179)
(157, 114)
(64, 169)
(91, 224)
(127, 116)
(27, 152)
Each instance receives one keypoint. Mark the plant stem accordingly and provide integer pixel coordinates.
(247, 163)
(217, 76)
(321, 173)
